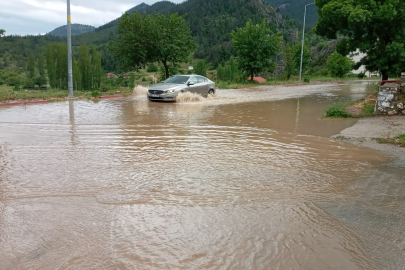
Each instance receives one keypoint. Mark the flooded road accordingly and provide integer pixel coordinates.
(247, 180)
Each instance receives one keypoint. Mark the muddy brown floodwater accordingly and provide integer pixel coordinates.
(248, 179)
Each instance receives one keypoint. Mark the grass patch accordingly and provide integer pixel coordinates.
(399, 140)
(7, 93)
(368, 110)
(337, 110)
(281, 81)
(227, 85)
(356, 109)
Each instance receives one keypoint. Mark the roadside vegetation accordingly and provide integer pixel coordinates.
(358, 109)
(399, 140)
(338, 110)
(8, 94)
(228, 42)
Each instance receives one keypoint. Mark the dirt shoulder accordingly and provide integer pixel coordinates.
(367, 130)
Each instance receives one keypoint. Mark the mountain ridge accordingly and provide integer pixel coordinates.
(295, 10)
(211, 23)
(77, 29)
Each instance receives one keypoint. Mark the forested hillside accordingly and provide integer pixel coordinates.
(211, 23)
(295, 10)
(14, 50)
(77, 29)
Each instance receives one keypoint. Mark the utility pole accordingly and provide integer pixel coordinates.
(303, 37)
(69, 40)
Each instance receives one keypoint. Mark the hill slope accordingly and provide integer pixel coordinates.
(211, 23)
(139, 7)
(295, 10)
(77, 29)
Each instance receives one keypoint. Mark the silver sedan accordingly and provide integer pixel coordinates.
(170, 88)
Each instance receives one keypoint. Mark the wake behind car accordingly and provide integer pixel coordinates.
(170, 88)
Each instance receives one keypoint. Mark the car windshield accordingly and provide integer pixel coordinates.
(177, 79)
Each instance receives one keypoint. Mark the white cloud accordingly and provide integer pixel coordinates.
(24, 17)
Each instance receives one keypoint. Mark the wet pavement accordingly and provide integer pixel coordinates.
(249, 179)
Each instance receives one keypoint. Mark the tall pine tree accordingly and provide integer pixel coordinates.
(85, 67)
(31, 65)
(97, 70)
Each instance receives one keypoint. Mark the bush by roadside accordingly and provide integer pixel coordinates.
(399, 140)
(361, 108)
(7, 93)
(338, 111)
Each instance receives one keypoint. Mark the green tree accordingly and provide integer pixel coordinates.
(201, 68)
(41, 65)
(227, 73)
(61, 65)
(31, 65)
(172, 40)
(6, 61)
(290, 65)
(132, 81)
(2, 31)
(145, 39)
(134, 40)
(152, 68)
(374, 27)
(85, 67)
(97, 69)
(306, 58)
(339, 65)
(77, 76)
(220, 73)
(256, 46)
(28, 82)
(235, 73)
(40, 81)
(51, 55)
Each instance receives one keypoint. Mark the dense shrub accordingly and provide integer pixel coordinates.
(152, 68)
(95, 94)
(339, 65)
(368, 109)
(361, 75)
(337, 111)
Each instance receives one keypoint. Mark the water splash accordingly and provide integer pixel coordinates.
(140, 90)
(189, 97)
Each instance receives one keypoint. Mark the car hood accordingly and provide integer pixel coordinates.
(165, 86)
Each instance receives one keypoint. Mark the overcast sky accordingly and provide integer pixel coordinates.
(33, 17)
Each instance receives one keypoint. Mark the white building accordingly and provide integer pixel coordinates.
(356, 57)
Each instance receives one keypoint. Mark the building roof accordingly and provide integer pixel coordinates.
(258, 79)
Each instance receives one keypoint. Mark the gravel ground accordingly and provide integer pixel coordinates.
(367, 130)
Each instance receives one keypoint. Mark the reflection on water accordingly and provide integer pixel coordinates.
(241, 182)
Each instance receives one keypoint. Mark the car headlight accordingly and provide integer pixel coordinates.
(170, 91)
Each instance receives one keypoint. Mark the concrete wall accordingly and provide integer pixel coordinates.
(388, 102)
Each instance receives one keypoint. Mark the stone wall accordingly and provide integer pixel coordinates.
(388, 100)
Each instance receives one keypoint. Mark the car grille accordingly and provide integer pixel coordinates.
(161, 98)
(156, 92)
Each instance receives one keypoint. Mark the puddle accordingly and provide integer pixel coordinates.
(246, 179)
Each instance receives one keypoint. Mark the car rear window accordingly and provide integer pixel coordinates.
(177, 79)
(201, 79)
(194, 79)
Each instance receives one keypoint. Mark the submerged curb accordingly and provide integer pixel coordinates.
(24, 103)
(112, 96)
(6, 104)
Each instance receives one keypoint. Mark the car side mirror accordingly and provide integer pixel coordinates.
(190, 83)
